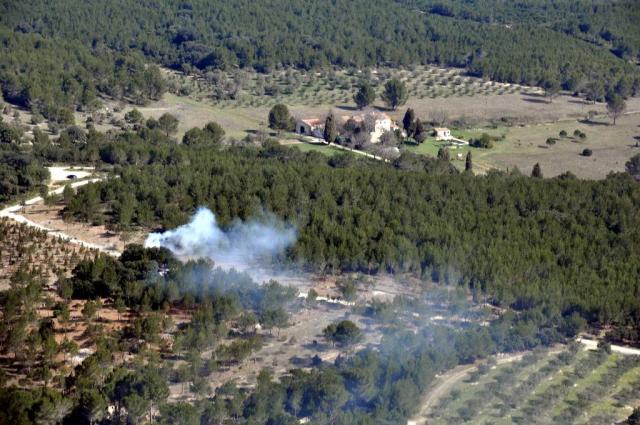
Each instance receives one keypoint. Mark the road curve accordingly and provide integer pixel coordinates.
(12, 212)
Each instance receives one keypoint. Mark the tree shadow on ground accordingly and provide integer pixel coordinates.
(534, 100)
(580, 102)
(347, 108)
(301, 361)
(593, 123)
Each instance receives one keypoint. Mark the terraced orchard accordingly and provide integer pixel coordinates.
(568, 386)
(241, 88)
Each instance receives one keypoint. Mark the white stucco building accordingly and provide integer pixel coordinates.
(443, 133)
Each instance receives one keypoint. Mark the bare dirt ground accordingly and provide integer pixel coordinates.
(444, 384)
(49, 216)
(61, 174)
(592, 344)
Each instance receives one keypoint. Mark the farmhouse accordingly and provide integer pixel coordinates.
(377, 122)
(310, 127)
(443, 133)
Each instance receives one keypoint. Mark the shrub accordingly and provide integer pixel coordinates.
(563, 133)
(36, 118)
(133, 116)
(485, 141)
(551, 141)
(587, 152)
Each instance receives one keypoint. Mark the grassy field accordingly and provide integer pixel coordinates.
(567, 387)
(237, 122)
(611, 145)
(523, 146)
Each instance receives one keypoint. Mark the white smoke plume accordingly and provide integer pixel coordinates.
(242, 243)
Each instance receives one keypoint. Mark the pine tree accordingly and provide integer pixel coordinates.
(395, 93)
(616, 106)
(280, 119)
(468, 163)
(365, 95)
(419, 131)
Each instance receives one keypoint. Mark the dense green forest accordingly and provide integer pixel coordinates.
(22, 163)
(49, 76)
(101, 44)
(606, 23)
(20, 171)
(563, 243)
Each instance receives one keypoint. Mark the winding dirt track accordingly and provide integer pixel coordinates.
(448, 380)
(12, 212)
(444, 384)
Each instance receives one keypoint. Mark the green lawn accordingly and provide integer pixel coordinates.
(431, 146)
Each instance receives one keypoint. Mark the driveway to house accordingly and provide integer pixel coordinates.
(344, 148)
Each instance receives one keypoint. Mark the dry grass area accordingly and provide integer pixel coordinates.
(612, 146)
(437, 95)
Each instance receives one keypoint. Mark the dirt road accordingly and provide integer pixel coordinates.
(590, 344)
(444, 384)
(11, 212)
(448, 380)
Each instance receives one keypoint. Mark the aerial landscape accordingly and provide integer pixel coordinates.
(344, 212)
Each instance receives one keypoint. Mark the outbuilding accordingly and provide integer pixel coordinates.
(443, 133)
(310, 127)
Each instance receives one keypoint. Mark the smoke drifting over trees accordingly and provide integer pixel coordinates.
(241, 243)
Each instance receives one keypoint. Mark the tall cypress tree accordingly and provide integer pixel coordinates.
(537, 171)
(330, 132)
(408, 122)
